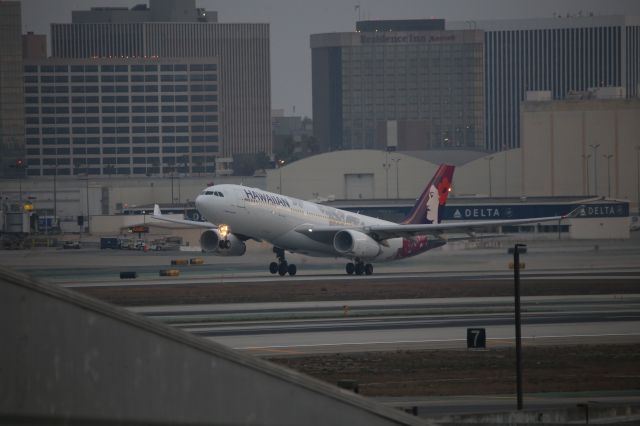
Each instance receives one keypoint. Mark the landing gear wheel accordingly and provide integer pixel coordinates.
(273, 267)
(351, 268)
(292, 269)
(283, 269)
(227, 244)
(359, 268)
(368, 269)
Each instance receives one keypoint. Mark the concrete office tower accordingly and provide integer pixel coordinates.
(11, 95)
(119, 116)
(34, 46)
(177, 29)
(561, 55)
(406, 84)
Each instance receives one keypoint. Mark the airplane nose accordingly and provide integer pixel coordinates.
(199, 200)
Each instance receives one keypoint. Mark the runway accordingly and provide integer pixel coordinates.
(343, 326)
(544, 260)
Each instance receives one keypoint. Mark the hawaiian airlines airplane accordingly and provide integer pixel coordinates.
(237, 213)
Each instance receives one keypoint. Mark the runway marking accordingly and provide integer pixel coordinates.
(426, 341)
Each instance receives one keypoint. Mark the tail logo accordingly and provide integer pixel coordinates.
(433, 202)
(430, 205)
(437, 197)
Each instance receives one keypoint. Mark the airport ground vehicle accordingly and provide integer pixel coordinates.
(71, 245)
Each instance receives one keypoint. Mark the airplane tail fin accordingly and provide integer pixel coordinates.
(156, 210)
(430, 205)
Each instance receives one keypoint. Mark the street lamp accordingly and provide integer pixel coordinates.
(86, 179)
(595, 167)
(170, 170)
(280, 163)
(55, 193)
(638, 176)
(489, 161)
(586, 161)
(397, 161)
(386, 166)
(608, 157)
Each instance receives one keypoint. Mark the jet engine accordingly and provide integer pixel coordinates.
(212, 241)
(355, 243)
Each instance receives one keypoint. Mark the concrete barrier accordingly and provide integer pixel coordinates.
(586, 413)
(128, 275)
(71, 359)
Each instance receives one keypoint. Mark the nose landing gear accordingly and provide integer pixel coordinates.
(359, 268)
(282, 267)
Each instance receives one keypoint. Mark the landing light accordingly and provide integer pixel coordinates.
(223, 230)
(310, 229)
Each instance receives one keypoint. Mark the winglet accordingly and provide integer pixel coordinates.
(156, 210)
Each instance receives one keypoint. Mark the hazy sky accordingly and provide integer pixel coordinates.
(292, 21)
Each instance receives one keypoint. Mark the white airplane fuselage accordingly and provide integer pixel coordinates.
(262, 215)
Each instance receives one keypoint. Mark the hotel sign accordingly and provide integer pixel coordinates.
(389, 37)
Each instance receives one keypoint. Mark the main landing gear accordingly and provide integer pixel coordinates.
(359, 268)
(282, 267)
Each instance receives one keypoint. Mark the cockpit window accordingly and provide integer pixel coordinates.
(208, 192)
(219, 194)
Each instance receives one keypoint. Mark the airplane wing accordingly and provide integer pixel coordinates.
(157, 214)
(384, 232)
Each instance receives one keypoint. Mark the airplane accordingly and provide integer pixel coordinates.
(237, 213)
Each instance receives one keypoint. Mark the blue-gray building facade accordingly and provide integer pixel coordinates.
(562, 55)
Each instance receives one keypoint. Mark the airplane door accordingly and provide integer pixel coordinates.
(240, 199)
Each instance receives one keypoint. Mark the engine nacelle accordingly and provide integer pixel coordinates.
(212, 242)
(356, 244)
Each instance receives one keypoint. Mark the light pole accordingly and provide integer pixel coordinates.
(505, 148)
(170, 170)
(586, 162)
(55, 194)
(595, 167)
(397, 161)
(87, 196)
(638, 176)
(490, 189)
(386, 167)
(85, 176)
(280, 163)
(608, 157)
(516, 293)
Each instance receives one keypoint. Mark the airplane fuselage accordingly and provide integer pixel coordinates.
(262, 215)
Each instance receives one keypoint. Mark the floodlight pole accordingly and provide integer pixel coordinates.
(516, 281)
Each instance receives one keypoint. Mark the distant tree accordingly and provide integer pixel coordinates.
(247, 164)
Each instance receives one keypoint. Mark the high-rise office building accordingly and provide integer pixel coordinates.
(410, 81)
(561, 55)
(177, 29)
(121, 116)
(11, 97)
